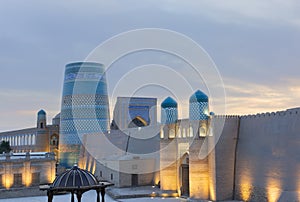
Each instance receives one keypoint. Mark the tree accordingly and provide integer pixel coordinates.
(5, 147)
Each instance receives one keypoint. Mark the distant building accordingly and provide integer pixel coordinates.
(134, 112)
(26, 169)
(42, 138)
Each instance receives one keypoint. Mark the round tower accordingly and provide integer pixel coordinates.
(84, 108)
(169, 111)
(41, 119)
(169, 117)
(198, 109)
(42, 137)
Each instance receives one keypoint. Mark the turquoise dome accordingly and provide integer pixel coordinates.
(41, 112)
(199, 96)
(169, 103)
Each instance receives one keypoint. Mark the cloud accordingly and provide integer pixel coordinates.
(236, 11)
(255, 45)
(251, 98)
(19, 107)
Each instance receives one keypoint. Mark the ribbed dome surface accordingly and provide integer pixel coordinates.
(199, 96)
(169, 102)
(75, 177)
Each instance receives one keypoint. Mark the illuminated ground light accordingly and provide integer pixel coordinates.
(246, 190)
(212, 192)
(273, 194)
(164, 195)
(273, 189)
(8, 180)
(50, 176)
(245, 185)
(27, 179)
(298, 184)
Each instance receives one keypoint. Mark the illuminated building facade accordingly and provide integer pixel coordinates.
(42, 138)
(181, 169)
(255, 158)
(26, 169)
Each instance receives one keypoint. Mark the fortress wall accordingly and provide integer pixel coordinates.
(225, 157)
(268, 157)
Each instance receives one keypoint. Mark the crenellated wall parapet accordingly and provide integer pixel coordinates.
(225, 117)
(288, 112)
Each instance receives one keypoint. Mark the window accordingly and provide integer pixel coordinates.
(1, 181)
(191, 132)
(42, 125)
(100, 173)
(179, 132)
(161, 133)
(172, 133)
(35, 178)
(111, 176)
(202, 132)
(33, 139)
(54, 141)
(18, 179)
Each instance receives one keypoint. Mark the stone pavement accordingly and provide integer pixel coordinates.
(153, 194)
(138, 192)
(134, 194)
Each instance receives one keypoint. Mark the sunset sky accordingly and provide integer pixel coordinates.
(254, 44)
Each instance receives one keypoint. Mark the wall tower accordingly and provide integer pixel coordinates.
(41, 119)
(169, 111)
(198, 106)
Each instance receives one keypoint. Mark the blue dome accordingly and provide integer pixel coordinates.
(199, 96)
(169, 102)
(41, 112)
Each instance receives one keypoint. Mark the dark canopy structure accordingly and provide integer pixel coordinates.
(76, 181)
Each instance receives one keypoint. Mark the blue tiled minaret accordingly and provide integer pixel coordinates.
(198, 109)
(84, 108)
(169, 111)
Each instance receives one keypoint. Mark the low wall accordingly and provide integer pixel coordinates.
(21, 192)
